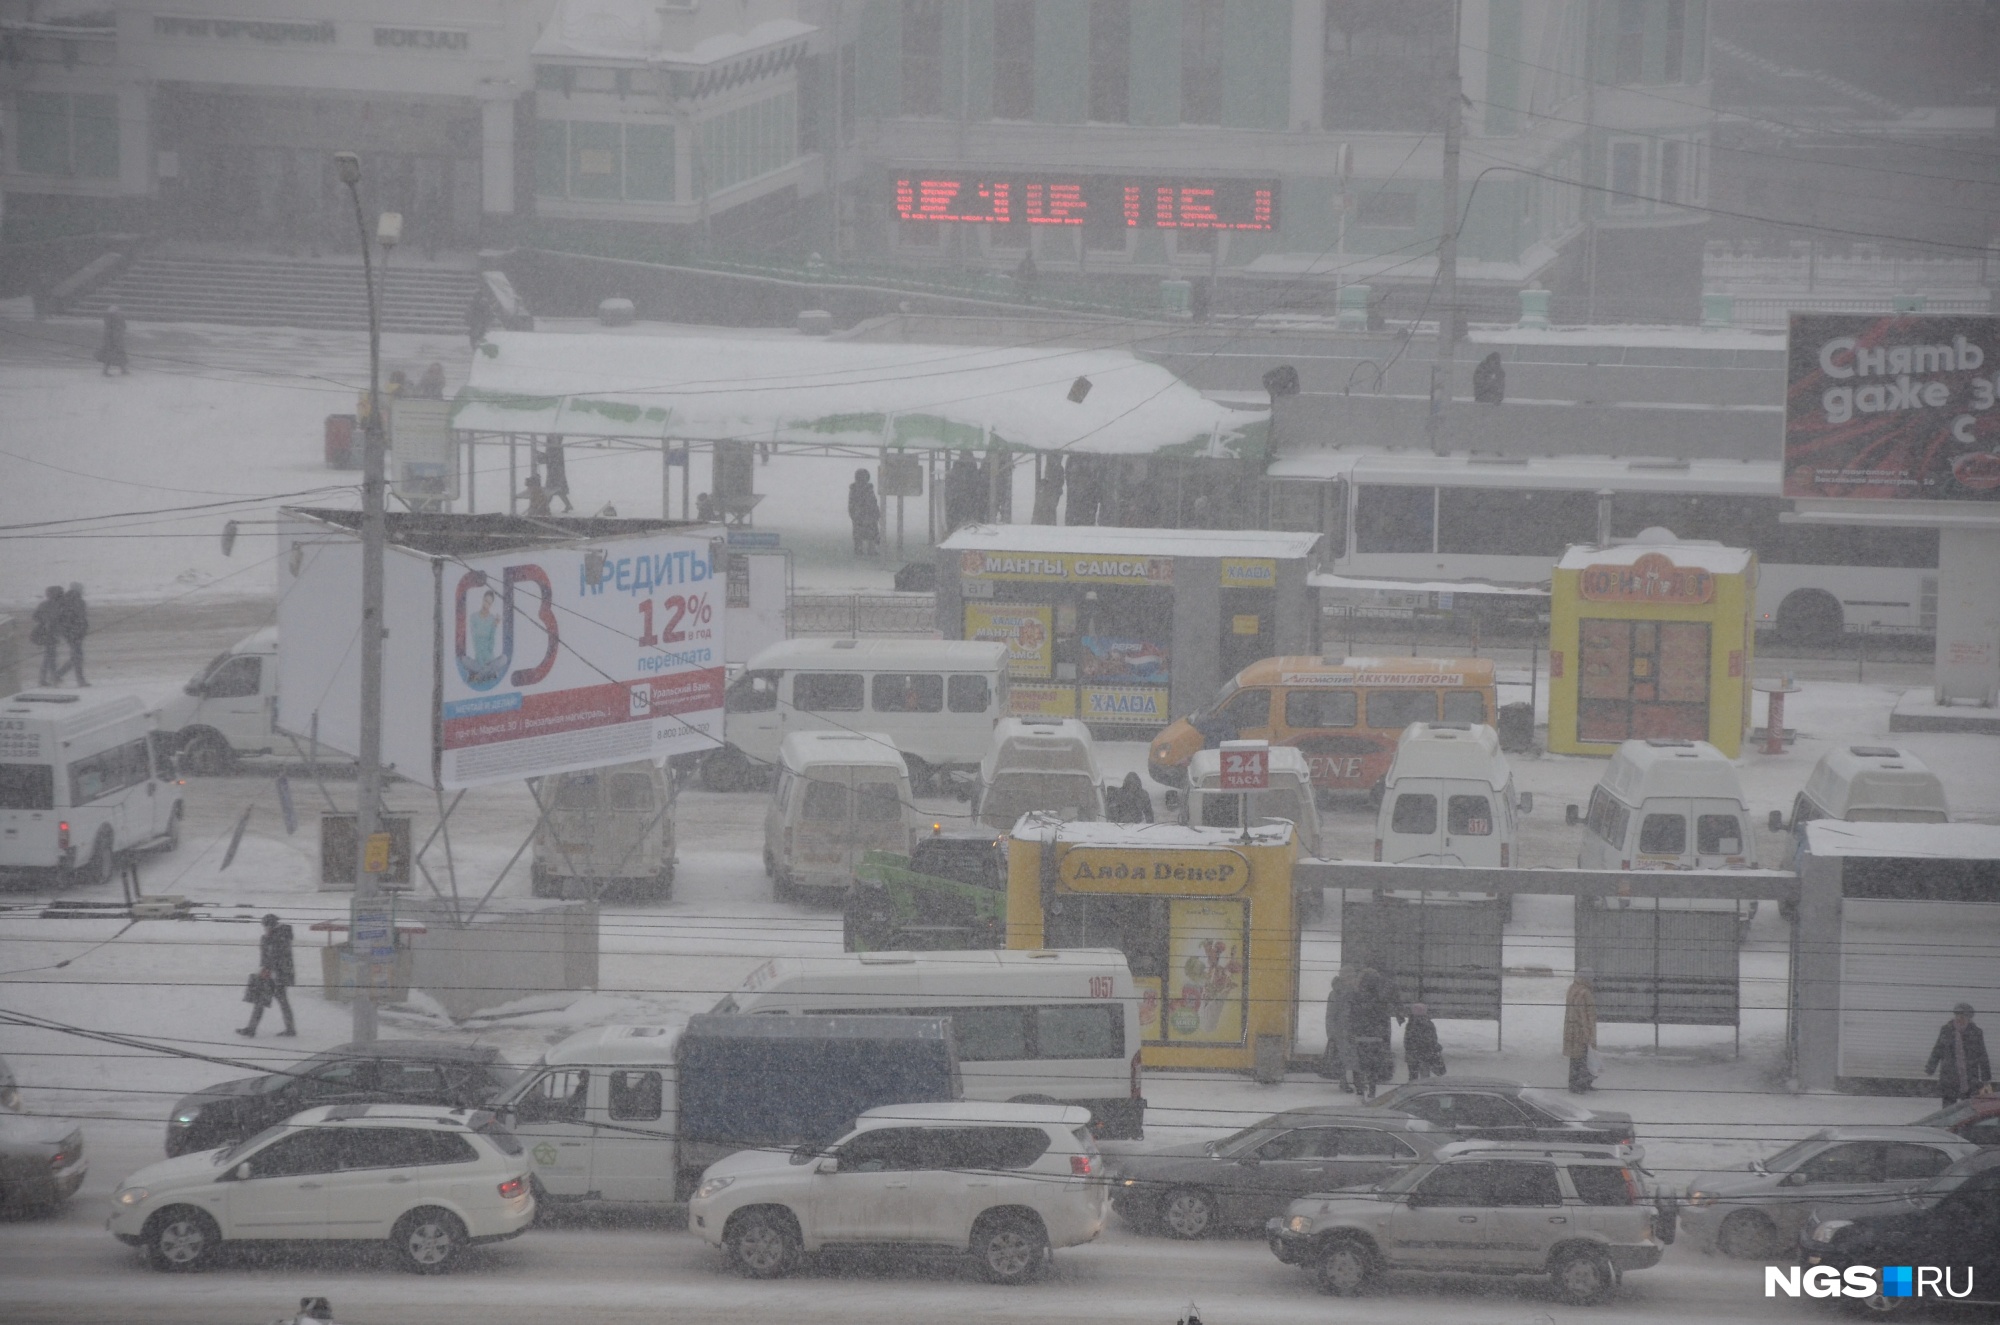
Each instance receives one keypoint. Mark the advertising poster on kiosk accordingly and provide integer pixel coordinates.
(568, 658)
(1022, 627)
(1904, 407)
(1205, 971)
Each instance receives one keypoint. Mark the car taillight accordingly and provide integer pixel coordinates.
(1079, 1166)
(512, 1188)
(60, 1158)
(1632, 1187)
(62, 836)
(1136, 1094)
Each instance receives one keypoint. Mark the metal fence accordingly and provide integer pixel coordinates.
(856, 614)
(1660, 965)
(1445, 956)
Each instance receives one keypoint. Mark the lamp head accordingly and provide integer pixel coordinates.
(349, 166)
(389, 229)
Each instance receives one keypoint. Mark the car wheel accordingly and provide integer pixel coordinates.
(663, 884)
(1189, 1212)
(1010, 1250)
(208, 755)
(762, 1244)
(103, 860)
(181, 1238)
(1583, 1278)
(174, 830)
(1347, 1268)
(427, 1241)
(1747, 1236)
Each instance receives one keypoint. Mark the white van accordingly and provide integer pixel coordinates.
(1668, 805)
(839, 796)
(936, 699)
(229, 709)
(81, 784)
(1449, 799)
(606, 828)
(1289, 797)
(1034, 1027)
(1047, 764)
(1868, 784)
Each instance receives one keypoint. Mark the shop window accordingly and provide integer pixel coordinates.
(1393, 710)
(749, 141)
(923, 57)
(1465, 706)
(1414, 813)
(1013, 59)
(600, 161)
(968, 694)
(1718, 835)
(1136, 926)
(69, 134)
(1468, 816)
(896, 692)
(1384, 65)
(1201, 61)
(1672, 179)
(1306, 710)
(1676, 52)
(827, 692)
(649, 163)
(1391, 518)
(1663, 835)
(1110, 61)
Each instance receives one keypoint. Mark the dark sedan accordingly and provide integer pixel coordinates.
(1957, 1232)
(1490, 1109)
(1192, 1190)
(384, 1072)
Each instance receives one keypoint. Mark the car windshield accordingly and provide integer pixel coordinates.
(1793, 1155)
(244, 1147)
(1555, 1105)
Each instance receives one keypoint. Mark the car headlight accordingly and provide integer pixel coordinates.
(711, 1187)
(1830, 1229)
(186, 1117)
(1299, 1224)
(1697, 1197)
(129, 1196)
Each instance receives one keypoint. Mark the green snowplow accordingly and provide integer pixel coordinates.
(950, 892)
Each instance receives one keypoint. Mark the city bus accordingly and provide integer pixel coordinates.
(1503, 521)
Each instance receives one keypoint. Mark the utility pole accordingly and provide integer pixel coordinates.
(1447, 284)
(368, 783)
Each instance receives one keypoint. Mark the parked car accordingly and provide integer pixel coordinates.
(1960, 1230)
(430, 1181)
(1976, 1119)
(1198, 1188)
(1583, 1215)
(1899, 1202)
(41, 1158)
(1760, 1211)
(382, 1072)
(1003, 1183)
(1492, 1109)
(608, 830)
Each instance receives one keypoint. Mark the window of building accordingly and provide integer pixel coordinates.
(610, 162)
(923, 57)
(1201, 61)
(1676, 52)
(1013, 59)
(1386, 207)
(1673, 178)
(1384, 64)
(554, 78)
(749, 141)
(1628, 172)
(1110, 61)
(1631, 49)
(70, 134)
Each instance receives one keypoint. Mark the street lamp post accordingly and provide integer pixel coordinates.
(368, 785)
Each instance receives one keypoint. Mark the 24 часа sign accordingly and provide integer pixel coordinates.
(1893, 407)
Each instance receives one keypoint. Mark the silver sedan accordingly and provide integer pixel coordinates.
(41, 1159)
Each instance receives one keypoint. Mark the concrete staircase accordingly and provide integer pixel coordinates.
(277, 292)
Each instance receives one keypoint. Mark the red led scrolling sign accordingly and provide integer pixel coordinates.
(1150, 204)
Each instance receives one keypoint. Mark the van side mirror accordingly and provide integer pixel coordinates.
(1777, 821)
(1173, 800)
(1525, 802)
(1572, 815)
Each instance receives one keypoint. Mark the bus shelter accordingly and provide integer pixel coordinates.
(1125, 628)
(1651, 640)
(1205, 916)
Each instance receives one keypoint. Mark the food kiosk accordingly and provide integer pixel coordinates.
(1205, 917)
(1651, 640)
(1125, 628)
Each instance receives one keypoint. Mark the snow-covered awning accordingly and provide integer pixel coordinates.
(795, 389)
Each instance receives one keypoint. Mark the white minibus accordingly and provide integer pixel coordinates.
(938, 700)
(1290, 796)
(81, 784)
(1038, 1027)
(1047, 764)
(229, 709)
(839, 796)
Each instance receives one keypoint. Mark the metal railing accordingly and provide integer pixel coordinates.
(857, 614)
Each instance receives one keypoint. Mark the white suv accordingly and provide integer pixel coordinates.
(429, 1180)
(1004, 1182)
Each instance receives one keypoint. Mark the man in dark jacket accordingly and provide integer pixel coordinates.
(1959, 1057)
(275, 974)
(111, 350)
(47, 631)
(1128, 803)
(1369, 1010)
(864, 512)
(73, 623)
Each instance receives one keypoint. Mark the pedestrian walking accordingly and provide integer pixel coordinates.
(536, 496)
(1128, 803)
(477, 318)
(704, 509)
(47, 632)
(1048, 489)
(1370, 1009)
(1422, 1054)
(555, 472)
(72, 623)
(1339, 1062)
(964, 492)
(275, 974)
(1959, 1057)
(431, 385)
(864, 512)
(111, 349)
(1580, 1029)
(1489, 381)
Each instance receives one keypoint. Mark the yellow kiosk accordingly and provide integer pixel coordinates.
(1205, 916)
(1651, 640)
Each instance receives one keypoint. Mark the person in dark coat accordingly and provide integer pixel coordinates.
(431, 385)
(1048, 489)
(1370, 1009)
(111, 350)
(1489, 381)
(1339, 1062)
(1128, 803)
(47, 631)
(275, 974)
(864, 512)
(477, 318)
(1959, 1057)
(555, 473)
(73, 623)
(536, 496)
(964, 492)
(1422, 1053)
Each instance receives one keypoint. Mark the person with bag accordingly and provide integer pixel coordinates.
(1370, 1008)
(275, 974)
(1580, 1030)
(1959, 1058)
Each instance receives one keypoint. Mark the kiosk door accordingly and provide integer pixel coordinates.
(1643, 680)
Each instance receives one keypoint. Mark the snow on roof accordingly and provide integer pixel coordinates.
(971, 655)
(1574, 473)
(632, 30)
(1961, 841)
(1111, 540)
(804, 750)
(1642, 769)
(1329, 580)
(1162, 836)
(1711, 557)
(616, 1044)
(790, 388)
(1433, 750)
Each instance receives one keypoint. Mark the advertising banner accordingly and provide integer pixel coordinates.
(1041, 701)
(1205, 971)
(570, 658)
(1151, 1026)
(1123, 658)
(1147, 704)
(1022, 627)
(1893, 407)
(1070, 567)
(1249, 572)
